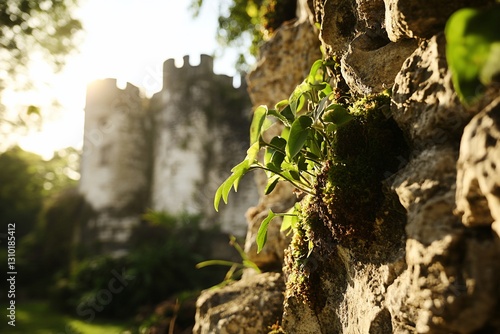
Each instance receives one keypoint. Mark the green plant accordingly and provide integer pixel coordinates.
(310, 118)
(473, 50)
(160, 264)
(235, 269)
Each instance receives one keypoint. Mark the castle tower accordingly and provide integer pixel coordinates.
(201, 131)
(115, 162)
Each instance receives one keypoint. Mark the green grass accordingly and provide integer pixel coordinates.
(38, 318)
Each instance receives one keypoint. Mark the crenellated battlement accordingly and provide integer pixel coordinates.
(173, 75)
(106, 91)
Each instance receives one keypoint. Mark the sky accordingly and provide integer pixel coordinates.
(124, 39)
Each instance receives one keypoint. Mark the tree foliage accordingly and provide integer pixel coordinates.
(250, 20)
(28, 27)
(26, 180)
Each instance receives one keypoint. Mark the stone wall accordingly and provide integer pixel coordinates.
(431, 264)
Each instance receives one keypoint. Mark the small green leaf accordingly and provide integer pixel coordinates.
(294, 174)
(217, 197)
(470, 38)
(286, 223)
(252, 152)
(271, 184)
(337, 114)
(279, 116)
(259, 115)
(232, 181)
(251, 264)
(491, 68)
(313, 73)
(314, 144)
(281, 104)
(321, 108)
(239, 170)
(288, 114)
(228, 184)
(298, 135)
(285, 134)
(273, 167)
(262, 233)
(290, 218)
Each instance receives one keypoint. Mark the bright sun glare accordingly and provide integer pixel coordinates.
(126, 40)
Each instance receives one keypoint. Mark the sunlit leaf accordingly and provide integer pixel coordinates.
(279, 116)
(271, 184)
(291, 218)
(337, 114)
(262, 233)
(252, 152)
(470, 38)
(491, 69)
(251, 264)
(298, 135)
(259, 116)
(232, 181)
(285, 134)
(281, 104)
(313, 73)
(228, 184)
(218, 196)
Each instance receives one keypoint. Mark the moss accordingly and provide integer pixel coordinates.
(365, 151)
(350, 199)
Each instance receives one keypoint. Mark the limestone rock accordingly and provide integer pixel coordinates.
(444, 289)
(338, 22)
(425, 105)
(478, 179)
(414, 19)
(249, 306)
(283, 63)
(342, 20)
(371, 63)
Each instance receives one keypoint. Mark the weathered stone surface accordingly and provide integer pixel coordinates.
(283, 63)
(417, 19)
(371, 63)
(249, 306)
(444, 289)
(338, 22)
(425, 104)
(478, 179)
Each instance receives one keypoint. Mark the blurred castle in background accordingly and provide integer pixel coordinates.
(168, 153)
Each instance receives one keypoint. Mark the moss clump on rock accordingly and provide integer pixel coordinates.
(350, 196)
(366, 150)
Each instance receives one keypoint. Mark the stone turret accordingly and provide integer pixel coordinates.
(202, 124)
(115, 159)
